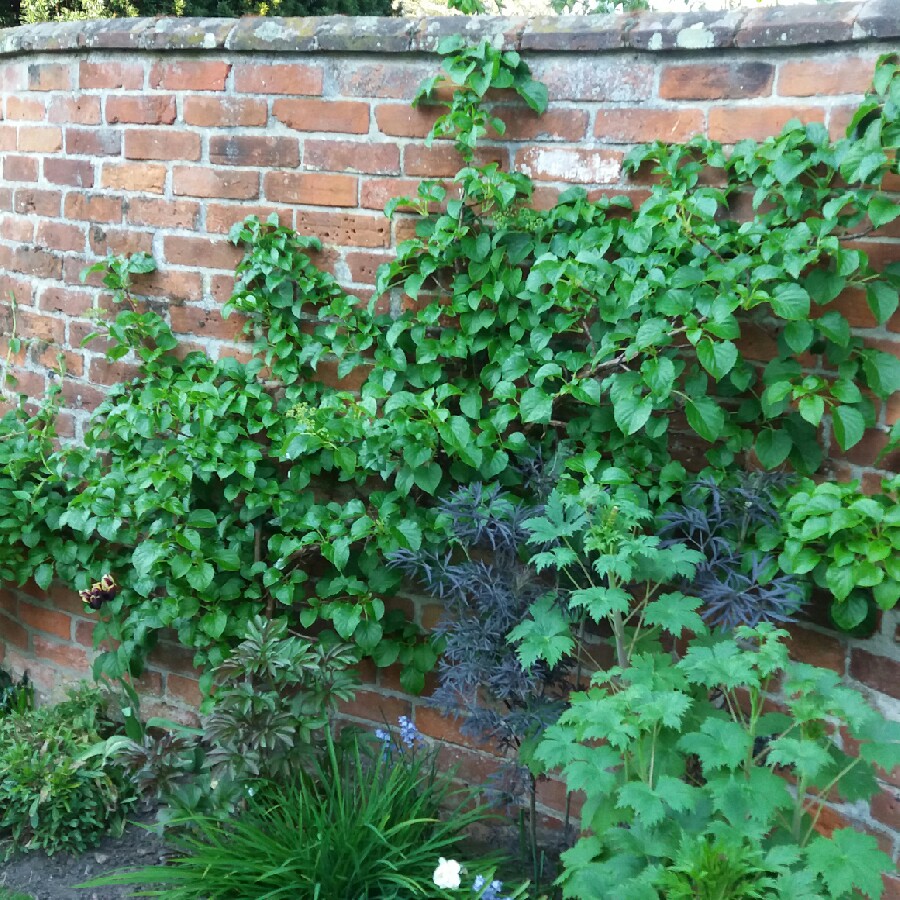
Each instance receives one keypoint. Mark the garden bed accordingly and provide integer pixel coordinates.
(54, 877)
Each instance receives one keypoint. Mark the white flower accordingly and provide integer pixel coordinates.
(447, 874)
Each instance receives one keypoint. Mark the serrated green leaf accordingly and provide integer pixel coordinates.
(773, 446)
(849, 426)
(848, 860)
(706, 417)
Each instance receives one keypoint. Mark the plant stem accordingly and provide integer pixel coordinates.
(533, 834)
(618, 627)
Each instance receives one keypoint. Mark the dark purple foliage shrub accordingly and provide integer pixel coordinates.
(733, 526)
(487, 590)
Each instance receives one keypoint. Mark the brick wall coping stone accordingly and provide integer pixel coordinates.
(785, 26)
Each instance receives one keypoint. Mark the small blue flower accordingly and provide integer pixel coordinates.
(493, 889)
(409, 734)
(383, 736)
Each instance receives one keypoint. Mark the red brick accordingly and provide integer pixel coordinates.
(222, 183)
(554, 124)
(344, 229)
(342, 116)
(853, 306)
(38, 202)
(42, 328)
(10, 357)
(220, 217)
(885, 807)
(394, 81)
(74, 172)
(189, 76)
(82, 110)
(891, 417)
(93, 207)
(20, 168)
(163, 213)
(401, 120)
(8, 136)
(351, 156)
(817, 649)
(867, 451)
(156, 109)
(69, 656)
(139, 178)
(430, 722)
(716, 81)
(29, 383)
(151, 682)
(203, 252)
(162, 144)
(375, 708)
(171, 285)
(15, 228)
(199, 322)
(109, 373)
(173, 658)
(110, 75)
(12, 77)
(637, 126)
(252, 150)
(442, 160)
(730, 124)
(221, 287)
(363, 266)
(311, 189)
(598, 80)
(81, 396)
(49, 77)
(93, 142)
(376, 192)
(282, 78)
(9, 603)
(120, 242)
(815, 78)
(224, 112)
(66, 300)
(32, 261)
(880, 253)
(25, 109)
(187, 690)
(62, 236)
(13, 633)
(47, 620)
(39, 139)
(570, 165)
(879, 672)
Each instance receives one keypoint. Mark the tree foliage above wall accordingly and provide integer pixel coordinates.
(33, 11)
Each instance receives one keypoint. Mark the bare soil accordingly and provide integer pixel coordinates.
(54, 877)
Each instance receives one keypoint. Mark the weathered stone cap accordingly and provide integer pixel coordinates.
(848, 22)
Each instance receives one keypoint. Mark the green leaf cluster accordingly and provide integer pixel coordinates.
(52, 798)
(848, 542)
(685, 762)
(683, 765)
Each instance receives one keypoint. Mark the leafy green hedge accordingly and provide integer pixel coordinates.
(33, 11)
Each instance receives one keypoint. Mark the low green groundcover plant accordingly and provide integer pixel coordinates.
(15, 695)
(52, 799)
(362, 823)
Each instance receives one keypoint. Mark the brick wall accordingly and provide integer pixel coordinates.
(126, 136)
